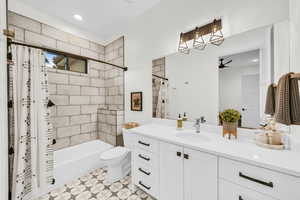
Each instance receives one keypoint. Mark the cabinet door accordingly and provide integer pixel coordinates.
(200, 176)
(171, 172)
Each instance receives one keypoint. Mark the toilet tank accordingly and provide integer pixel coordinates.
(129, 138)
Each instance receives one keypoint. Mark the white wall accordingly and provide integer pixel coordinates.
(200, 68)
(3, 107)
(230, 90)
(156, 33)
(295, 47)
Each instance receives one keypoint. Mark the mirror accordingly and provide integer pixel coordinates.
(235, 75)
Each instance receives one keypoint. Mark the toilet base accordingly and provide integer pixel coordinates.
(118, 170)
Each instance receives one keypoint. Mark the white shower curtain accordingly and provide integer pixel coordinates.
(30, 128)
(161, 109)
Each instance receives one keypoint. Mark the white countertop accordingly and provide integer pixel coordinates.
(243, 149)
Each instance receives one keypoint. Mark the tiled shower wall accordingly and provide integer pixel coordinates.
(77, 96)
(111, 120)
(158, 68)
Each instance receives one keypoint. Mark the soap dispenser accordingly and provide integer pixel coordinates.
(184, 117)
(179, 122)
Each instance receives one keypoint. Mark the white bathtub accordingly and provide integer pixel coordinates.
(73, 162)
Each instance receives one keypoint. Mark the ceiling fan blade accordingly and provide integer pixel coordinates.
(230, 61)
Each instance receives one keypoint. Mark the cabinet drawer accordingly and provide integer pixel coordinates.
(146, 158)
(262, 180)
(149, 185)
(147, 144)
(142, 170)
(230, 191)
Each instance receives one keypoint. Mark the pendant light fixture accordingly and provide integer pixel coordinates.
(211, 31)
(183, 47)
(199, 42)
(216, 37)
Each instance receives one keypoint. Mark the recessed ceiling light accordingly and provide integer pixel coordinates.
(77, 17)
(255, 60)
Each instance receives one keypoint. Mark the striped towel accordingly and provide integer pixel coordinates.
(287, 109)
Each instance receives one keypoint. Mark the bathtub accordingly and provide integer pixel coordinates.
(73, 162)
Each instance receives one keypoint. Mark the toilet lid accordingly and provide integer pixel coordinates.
(114, 153)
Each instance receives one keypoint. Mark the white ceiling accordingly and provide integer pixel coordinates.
(105, 18)
(243, 59)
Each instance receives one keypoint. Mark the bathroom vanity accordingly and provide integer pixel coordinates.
(185, 165)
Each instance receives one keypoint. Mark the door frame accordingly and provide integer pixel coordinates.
(3, 104)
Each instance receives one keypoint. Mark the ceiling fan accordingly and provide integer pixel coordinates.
(223, 64)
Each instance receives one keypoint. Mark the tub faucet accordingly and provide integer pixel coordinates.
(198, 123)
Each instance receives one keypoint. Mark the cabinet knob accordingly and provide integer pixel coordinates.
(186, 156)
(179, 154)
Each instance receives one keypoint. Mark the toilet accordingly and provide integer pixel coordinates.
(118, 159)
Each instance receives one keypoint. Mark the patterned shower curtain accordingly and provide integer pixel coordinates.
(161, 109)
(30, 129)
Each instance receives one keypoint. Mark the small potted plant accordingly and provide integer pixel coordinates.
(230, 118)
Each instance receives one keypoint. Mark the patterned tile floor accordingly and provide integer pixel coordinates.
(94, 187)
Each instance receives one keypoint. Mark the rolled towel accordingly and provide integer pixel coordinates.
(271, 100)
(287, 109)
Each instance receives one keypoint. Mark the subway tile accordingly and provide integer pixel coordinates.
(79, 139)
(88, 109)
(63, 46)
(79, 41)
(59, 99)
(79, 100)
(68, 131)
(61, 143)
(67, 110)
(19, 32)
(79, 80)
(97, 82)
(90, 127)
(68, 89)
(97, 47)
(89, 53)
(90, 91)
(40, 40)
(80, 119)
(54, 33)
(60, 122)
(97, 100)
(57, 78)
(24, 22)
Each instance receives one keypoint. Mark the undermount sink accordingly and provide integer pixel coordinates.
(195, 137)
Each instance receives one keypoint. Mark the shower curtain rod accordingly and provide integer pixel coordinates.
(65, 53)
(160, 77)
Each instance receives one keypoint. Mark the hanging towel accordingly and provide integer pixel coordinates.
(271, 99)
(288, 101)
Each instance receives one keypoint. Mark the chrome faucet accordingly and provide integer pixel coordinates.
(198, 123)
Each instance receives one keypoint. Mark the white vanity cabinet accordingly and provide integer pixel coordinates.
(172, 171)
(187, 174)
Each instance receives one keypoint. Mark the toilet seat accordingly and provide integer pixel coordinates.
(117, 152)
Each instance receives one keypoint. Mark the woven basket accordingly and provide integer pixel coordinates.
(130, 125)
